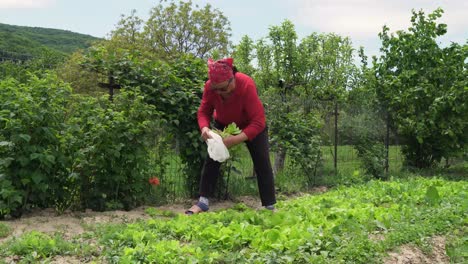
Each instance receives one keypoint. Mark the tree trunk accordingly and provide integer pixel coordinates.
(280, 157)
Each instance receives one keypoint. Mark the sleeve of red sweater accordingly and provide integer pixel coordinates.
(255, 112)
(205, 111)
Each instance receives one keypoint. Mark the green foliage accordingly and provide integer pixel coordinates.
(432, 195)
(34, 246)
(197, 31)
(321, 65)
(32, 120)
(336, 227)
(243, 55)
(108, 144)
(302, 141)
(45, 59)
(175, 29)
(128, 31)
(364, 130)
(423, 87)
(83, 81)
(62, 151)
(297, 132)
(457, 245)
(11, 197)
(174, 89)
(230, 130)
(344, 178)
(153, 212)
(27, 50)
(372, 156)
(316, 67)
(5, 230)
(290, 182)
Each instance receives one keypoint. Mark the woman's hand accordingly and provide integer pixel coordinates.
(204, 133)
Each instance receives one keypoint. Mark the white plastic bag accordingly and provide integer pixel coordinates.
(216, 148)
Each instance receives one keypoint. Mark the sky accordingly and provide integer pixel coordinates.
(360, 20)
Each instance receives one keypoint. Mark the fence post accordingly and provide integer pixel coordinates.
(387, 139)
(336, 139)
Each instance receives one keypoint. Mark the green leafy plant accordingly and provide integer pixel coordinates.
(426, 105)
(109, 143)
(154, 212)
(5, 230)
(432, 195)
(230, 166)
(61, 150)
(35, 246)
(33, 165)
(174, 89)
(229, 130)
(300, 137)
(337, 226)
(457, 245)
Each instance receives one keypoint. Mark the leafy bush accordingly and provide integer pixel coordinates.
(109, 144)
(295, 132)
(365, 130)
(173, 88)
(372, 156)
(59, 150)
(32, 121)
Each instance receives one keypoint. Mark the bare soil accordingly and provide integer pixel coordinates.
(408, 254)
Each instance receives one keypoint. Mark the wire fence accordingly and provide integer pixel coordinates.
(339, 157)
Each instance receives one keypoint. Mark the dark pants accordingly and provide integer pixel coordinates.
(259, 151)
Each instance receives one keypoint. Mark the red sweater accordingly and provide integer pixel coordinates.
(243, 107)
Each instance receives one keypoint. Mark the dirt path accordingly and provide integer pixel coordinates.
(74, 223)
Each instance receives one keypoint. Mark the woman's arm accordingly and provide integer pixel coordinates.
(234, 140)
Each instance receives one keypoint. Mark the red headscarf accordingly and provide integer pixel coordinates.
(220, 70)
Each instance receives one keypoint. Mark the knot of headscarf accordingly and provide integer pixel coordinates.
(220, 70)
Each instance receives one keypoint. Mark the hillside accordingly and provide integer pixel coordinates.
(15, 40)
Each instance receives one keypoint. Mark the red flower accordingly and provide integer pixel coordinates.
(154, 181)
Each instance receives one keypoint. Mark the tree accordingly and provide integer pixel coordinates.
(43, 59)
(180, 28)
(82, 81)
(423, 87)
(317, 67)
(244, 54)
(129, 29)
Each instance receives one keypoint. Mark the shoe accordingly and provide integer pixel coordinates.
(197, 208)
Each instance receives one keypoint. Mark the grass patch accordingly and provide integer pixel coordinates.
(35, 245)
(5, 230)
(457, 245)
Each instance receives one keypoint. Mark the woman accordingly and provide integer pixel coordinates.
(231, 97)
